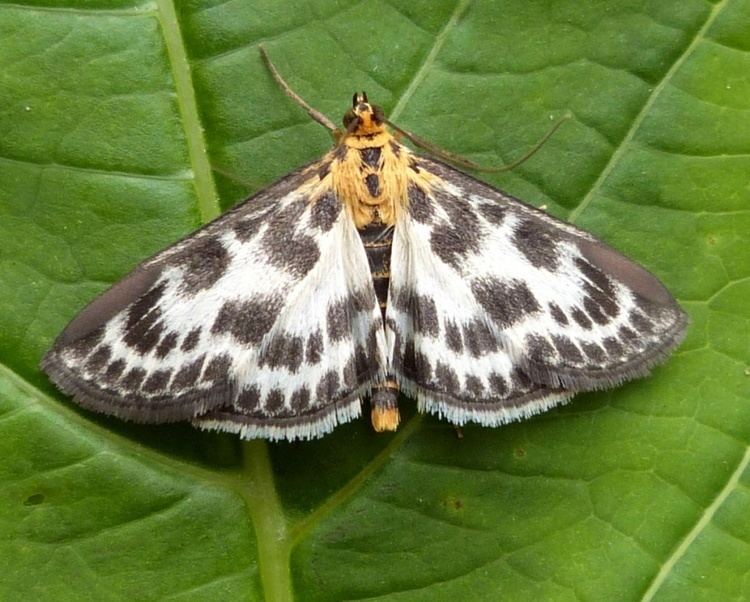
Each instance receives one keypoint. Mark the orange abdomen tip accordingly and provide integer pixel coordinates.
(385, 419)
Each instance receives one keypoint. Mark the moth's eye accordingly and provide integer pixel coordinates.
(349, 118)
(378, 114)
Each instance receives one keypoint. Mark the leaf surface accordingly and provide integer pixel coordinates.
(126, 125)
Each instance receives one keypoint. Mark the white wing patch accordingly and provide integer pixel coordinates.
(265, 323)
(498, 311)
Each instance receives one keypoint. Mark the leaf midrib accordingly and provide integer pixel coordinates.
(205, 189)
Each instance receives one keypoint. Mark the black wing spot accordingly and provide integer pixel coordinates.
(447, 244)
(498, 385)
(538, 243)
(274, 402)
(248, 321)
(204, 262)
(581, 318)
(99, 359)
(249, 399)
(416, 365)
(641, 322)
(453, 336)
(284, 350)
(474, 386)
(539, 349)
(287, 249)
(247, 227)
(593, 309)
(300, 400)
(596, 276)
(494, 213)
(520, 381)
(400, 298)
(218, 368)
(446, 378)
(594, 351)
(338, 320)
(363, 299)
(425, 315)
(460, 236)
(157, 381)
(506, 302)
(419, 207)
(314, 348)
(605, 301)
(478, 338)
(327, 387)
(166, 345)
(628, 335)
(145, 335)
(114, 371)
(567, 349)
(133, 379)
(188, 374)
(350, 374)
(613, 346)
(191, 340)
(362, 361)
(145, 304)
(325, 211)
(558, 314)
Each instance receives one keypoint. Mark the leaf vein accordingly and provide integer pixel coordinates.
(641, 116)
(461, 7)
(705, 520)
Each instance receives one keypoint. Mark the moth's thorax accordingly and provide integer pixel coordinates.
(369, 174)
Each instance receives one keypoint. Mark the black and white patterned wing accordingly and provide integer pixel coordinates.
(498, 311)
(264, 322)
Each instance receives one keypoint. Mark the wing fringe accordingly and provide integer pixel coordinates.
(303, 428)
(459, 412)
(152, 410)
(578, 380)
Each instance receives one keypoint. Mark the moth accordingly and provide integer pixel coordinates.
(370, 271)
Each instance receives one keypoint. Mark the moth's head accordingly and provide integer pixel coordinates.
(364, 118)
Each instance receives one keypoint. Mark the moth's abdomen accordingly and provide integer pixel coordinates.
(377, 240)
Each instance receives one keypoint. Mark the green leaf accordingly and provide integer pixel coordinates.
(125, 125)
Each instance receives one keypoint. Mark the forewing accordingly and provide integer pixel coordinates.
(498, 310)
(264, 322)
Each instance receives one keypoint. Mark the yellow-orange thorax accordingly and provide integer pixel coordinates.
(369, 175)
(368, 169)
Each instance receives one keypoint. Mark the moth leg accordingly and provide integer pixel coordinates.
(384, 402)
(313, 113)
